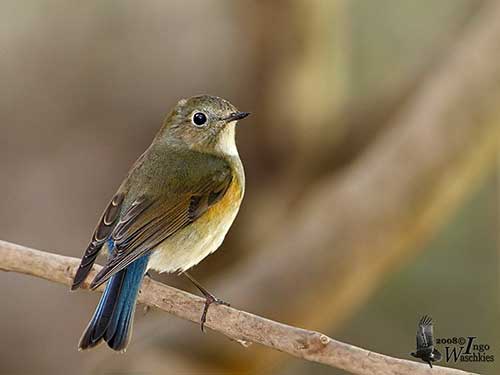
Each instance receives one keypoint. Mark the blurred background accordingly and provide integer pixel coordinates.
(371, 158)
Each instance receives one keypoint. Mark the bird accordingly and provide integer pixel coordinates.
(425, 342)
(171, 211)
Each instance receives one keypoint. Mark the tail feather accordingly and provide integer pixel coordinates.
(118, 339)
(112, 320)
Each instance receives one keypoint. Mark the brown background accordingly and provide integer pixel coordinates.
(85, 86)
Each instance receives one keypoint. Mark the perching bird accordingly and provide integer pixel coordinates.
(172, 210)
(425, 342)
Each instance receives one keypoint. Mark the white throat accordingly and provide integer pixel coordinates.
(226, 143)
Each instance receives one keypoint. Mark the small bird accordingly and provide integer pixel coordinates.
(173, 209)
(425, 342)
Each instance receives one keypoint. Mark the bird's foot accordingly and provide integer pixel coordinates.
(209, 299)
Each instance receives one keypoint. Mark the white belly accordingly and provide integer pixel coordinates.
(191, 245)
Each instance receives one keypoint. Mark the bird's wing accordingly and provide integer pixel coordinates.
(424, 333)
(101, 234)
(104, 228)
(149, 221)
(428, 331)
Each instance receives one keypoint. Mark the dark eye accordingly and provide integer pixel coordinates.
(199, 119)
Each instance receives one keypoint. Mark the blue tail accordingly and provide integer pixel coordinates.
(113, 318)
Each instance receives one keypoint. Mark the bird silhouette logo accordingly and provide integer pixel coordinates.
(425, 342)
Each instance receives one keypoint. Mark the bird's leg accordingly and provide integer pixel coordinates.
(209, 299)
(430, 363)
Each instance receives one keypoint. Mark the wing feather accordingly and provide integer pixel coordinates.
(429, 332)
(425, 333)
(101, 234)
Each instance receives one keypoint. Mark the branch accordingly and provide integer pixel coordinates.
(235, 324)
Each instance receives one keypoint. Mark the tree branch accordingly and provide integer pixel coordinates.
(235, 324)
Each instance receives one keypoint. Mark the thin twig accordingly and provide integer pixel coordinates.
(235, 324)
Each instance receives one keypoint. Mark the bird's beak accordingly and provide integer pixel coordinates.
(236, 116)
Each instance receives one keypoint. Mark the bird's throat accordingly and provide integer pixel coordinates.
(226, 142)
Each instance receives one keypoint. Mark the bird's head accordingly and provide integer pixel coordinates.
(204, 123)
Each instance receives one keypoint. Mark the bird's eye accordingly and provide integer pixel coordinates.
(199, 119)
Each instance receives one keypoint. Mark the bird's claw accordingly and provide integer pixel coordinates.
(209, 299)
